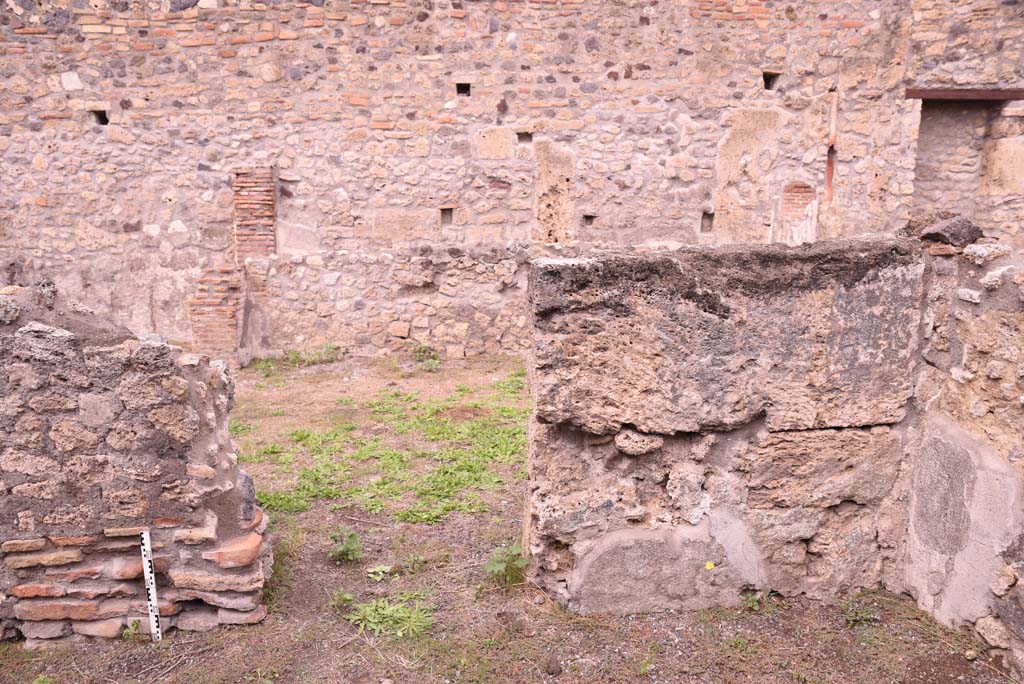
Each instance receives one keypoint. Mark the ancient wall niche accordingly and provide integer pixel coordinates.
(948, 166)
(707, 221)
(796, 215)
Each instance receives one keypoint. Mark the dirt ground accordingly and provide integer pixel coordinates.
(424, 461)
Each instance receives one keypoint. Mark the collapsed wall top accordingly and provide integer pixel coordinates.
(721, 328)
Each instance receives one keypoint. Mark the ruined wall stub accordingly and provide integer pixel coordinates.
(716, 348)
(105, 435)
(811, 420)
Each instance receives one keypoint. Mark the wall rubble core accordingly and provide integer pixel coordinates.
(104, 435)
(811, 420)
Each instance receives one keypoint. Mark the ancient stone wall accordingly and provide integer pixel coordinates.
(459, 302)
(105, 435)
(809, 420)
(130, 128)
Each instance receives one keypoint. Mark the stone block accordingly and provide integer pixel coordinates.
(22, 545)
(198, 535)
(185, 577)
(639, 340)
(97, 410)
(956, 230)
(494, 143)
(197, 620)
(37, 590)
(965, 524)
(399, 329)
(406, 224)
(111, 628)
(45, 558)
(236, 553)
(235, 601)
(47, 629)
(236, 617)
(57, 610)
(638, 571)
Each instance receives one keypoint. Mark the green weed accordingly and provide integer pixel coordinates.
(264, 367)
(421, 486)
(341, 599)
(237, 429)
(857, 613)
(513, 385)
(766, 602)
(133, 632)
(327, 353)
(395, 618)
(507, 565)
(285, 502)
(379, 573)
(347, 548)
(646, 665)
(424, 352)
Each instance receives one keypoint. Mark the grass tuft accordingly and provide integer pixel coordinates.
(399, 618)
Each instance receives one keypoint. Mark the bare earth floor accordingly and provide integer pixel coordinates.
(425, 462)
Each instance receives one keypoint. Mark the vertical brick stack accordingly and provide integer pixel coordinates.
(795, 199)
(106, 435)
(798, 219)
(214, 311)
(254, 214)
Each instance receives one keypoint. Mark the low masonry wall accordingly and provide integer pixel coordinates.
(105, 435)
(811, 420)
(458, 301)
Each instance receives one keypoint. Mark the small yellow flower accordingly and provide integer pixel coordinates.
(709, 566)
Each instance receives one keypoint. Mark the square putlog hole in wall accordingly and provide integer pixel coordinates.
(447, 216)
(770, 79)
(588, 219)
(707, 221)
(463, 89)
(524, 137)
(100, 115)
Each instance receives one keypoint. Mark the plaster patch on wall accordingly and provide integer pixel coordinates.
(751, 131)
(1003, 168)
(553, 198)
